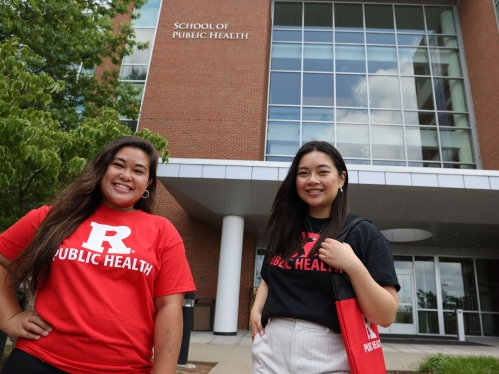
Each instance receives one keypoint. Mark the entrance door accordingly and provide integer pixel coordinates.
(405, 319)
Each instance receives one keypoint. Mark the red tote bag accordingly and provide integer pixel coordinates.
(360, 336)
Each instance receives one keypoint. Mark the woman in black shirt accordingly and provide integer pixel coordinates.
(294, 322)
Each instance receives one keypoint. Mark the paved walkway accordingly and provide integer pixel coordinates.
(233, 353)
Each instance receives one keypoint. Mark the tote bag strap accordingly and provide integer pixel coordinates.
(343, 233)
(342, 287)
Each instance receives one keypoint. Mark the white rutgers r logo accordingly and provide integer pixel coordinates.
(99, 235)
(370, 333)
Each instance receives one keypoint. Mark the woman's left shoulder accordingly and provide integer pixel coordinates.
(156, 221)
(364, 229)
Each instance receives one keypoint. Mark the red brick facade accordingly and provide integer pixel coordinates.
(481, 47)
(208, 98)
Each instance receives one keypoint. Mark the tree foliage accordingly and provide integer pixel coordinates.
(36, 157)
(64, 36)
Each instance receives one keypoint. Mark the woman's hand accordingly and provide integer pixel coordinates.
(256, 324)
(256, 311)
(28, 325)
(338, 255)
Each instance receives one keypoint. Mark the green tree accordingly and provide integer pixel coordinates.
(68, 35)
(36, 158)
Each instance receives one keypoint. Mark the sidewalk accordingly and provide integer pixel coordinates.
(233, 353)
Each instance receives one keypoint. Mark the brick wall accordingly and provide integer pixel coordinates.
(481, 47)
(208, 98)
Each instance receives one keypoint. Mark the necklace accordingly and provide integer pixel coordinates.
(312, 231)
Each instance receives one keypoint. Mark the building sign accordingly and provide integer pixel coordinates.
(206, 31)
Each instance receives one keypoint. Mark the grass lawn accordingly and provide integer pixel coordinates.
(443, 364)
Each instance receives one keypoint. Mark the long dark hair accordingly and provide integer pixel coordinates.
(73, 205)
(288, 216)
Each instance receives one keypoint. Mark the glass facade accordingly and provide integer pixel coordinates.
(444, 284)
(383, 83)
(135, 67)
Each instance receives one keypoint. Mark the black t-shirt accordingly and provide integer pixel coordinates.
(302, 288)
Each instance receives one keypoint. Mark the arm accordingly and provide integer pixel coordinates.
(13, 321)
(168, 326)
(256, 311)
(378, 304)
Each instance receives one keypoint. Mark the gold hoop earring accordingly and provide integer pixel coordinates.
(146, 196)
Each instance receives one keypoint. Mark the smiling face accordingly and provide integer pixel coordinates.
(318, 183)
(126, 179)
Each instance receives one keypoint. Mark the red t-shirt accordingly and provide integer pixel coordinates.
(99, 296)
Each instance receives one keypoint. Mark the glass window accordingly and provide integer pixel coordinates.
(457, 278)
(386, 116)
(286, 36)
(409, 19)
(382, 60)
(440, 20)
(318, 89)
(459, 166)
(348, 17)
(455, 120)
(141, 56)
(377, 38)
(353, 140)
(450, 95)
(285, 88)
(389, 163)
(350, 59)
(417, 93)
(357, 162)
(384, 92)
(388, 142)
(424, 164)
(349, 37)
(283, 138)
(446, 62)
(369, 64)
(412, 40)
(428, 322)
(318, 57)
(490, 322)
(319, 36)
(132, 125)
(148, 14)
(319, 15)
(379, 17)
(443, 41)
(414, 61)
(287, 14)
(352, 115)
(317, 131)
(284, 112)
(422, 144)
(426, 285)
(134, 72)
(471, 323)
(286, 56)
(405, 310)
(488, 284)
(318, 114)
(279, 158)
(456, 145)
(140, 87)
(351, 90)
(419, 118)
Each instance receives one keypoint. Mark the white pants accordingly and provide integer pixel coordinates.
(293, 346)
